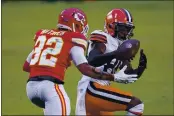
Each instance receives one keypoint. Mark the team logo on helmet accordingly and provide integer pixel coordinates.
(79, 17)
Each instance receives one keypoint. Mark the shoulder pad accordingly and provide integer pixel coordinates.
(77, 35)
(37, 34)
(98, 36)
(79, 40)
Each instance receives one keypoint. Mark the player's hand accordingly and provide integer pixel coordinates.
(142, 59)
(121, 77)
(142, 64)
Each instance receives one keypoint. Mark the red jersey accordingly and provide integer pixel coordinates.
(51, 55)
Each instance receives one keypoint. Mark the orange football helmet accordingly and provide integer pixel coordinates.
(73, 19)
(119, 24)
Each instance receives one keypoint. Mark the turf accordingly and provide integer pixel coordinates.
(154, 28)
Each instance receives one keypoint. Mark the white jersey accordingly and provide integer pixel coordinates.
(111, 45)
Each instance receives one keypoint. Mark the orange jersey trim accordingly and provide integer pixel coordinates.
(98, 37)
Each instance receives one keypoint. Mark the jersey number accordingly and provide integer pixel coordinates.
(112, 66)
(41, 53)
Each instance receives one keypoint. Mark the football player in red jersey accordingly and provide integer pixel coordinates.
(52, 53)
(97, 97)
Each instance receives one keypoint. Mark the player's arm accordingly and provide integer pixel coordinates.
(26, 66)
(83, 66)
(97, 57)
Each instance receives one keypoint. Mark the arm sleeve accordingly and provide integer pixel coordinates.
(26, 66)
(77, 55)
(96, 58)
(29, 57)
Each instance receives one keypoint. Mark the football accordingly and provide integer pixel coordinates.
(129, 48)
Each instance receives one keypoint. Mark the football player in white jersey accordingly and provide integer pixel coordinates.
(97, 97)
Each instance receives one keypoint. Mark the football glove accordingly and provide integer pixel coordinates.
(141, 67)
(142, 63)
(121, 77)
(143, 59)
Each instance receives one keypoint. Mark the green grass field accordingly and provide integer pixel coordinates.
(154, 28)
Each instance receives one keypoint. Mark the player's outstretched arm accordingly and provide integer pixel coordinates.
(96, 73)
(93, 72)
(77, 54)
(97, 57)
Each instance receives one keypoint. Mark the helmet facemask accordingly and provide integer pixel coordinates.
(85, 30)
(123, 31)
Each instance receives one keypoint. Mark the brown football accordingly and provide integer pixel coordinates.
(129, 48)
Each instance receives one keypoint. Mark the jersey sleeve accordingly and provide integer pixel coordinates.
(98, 36)
(79, 40)
(78, 57)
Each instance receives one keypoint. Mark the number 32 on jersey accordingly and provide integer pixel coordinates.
(41, 52)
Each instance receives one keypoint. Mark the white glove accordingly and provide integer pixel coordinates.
(121, 77)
